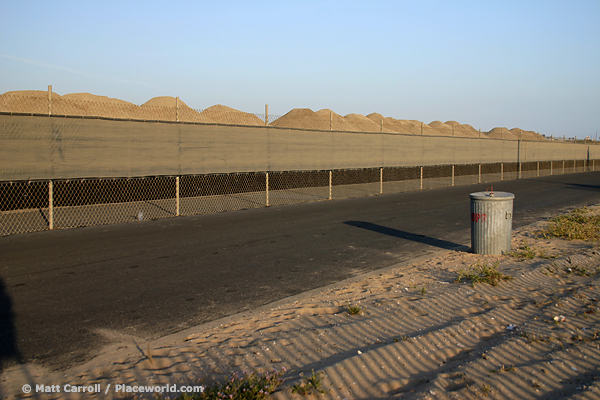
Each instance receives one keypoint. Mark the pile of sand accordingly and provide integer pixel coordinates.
(302, 118)
(362, 123)
(87, 104)
(336, 121)
(502, 133)
(526, 135)
(386, 124)
(227, 115)
(167, 108)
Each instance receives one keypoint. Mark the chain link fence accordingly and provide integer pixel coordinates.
(171, 109)
(29, 206)
(167, 109)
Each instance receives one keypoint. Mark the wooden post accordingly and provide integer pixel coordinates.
(421, 178)
(267, 189)
(381, 181)
(266, 114)
(330, 173)
(453, 173)
(501, 171)
(49, 99)
(50, 206)
(479, 181)
(177, 196)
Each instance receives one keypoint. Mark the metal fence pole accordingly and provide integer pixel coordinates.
(267, 188)
(479, 181)
(563, 167)
(453, 169)
(501, 171)
(421, 178)
(50, 205)
(551, 166)
(538, 168)
(381, 181)
(177, 196)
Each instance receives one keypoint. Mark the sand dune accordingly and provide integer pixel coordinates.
(502, 133)
(167, 108)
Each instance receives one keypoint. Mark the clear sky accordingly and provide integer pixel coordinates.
(528, 64)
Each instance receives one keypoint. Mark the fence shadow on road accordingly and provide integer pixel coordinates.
(443, 244)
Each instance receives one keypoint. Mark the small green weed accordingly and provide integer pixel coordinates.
(577, 224)
(245, 386)
(314, 382)
(579, 270)
(524, 251)
(503, 369)
(354, 310)
(482, 273)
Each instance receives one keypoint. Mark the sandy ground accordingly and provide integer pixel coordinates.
(419, 335)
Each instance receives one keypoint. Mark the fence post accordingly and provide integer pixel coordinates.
(381, 181)
(421, 178)
(177, 196)
(331, 120)
(538, 168)
(453, 172)
(267, 188)
(551, 166)
(501, 171)
(479, 181)
(266, 114)
(49, 99)
(563, 167)
(330, 180)
(50, 205)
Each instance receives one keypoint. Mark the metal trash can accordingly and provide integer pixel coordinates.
(491, 222)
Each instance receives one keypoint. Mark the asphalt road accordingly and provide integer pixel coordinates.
(62, 291)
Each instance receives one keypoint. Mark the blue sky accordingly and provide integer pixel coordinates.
(528, 64)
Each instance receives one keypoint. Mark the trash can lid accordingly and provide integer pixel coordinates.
(492, 196)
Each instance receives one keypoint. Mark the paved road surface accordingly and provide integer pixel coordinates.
(65, 292)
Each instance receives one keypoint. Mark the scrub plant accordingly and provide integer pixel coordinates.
(482, 273)
(578, 224)
(244, 386)
(314, 382)
(354, 310)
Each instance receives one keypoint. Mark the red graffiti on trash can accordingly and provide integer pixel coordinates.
(476, 217)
